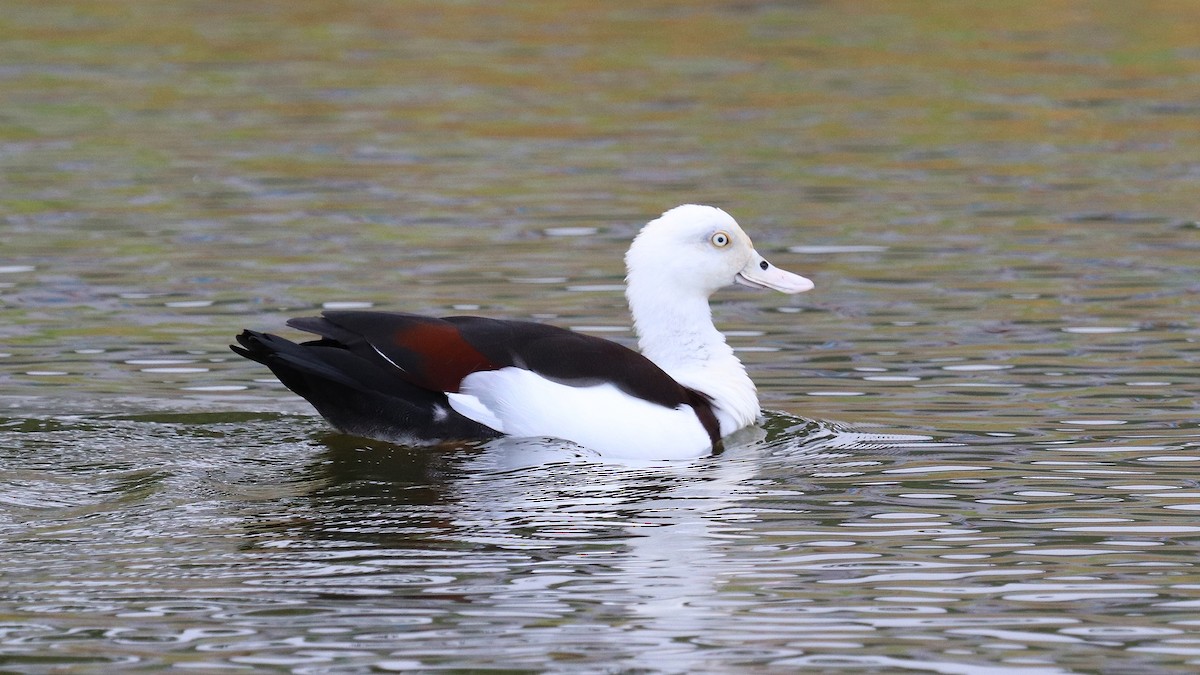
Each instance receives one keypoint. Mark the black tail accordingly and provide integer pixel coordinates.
(357, 396)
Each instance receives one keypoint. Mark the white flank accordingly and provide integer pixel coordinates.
(600, 417)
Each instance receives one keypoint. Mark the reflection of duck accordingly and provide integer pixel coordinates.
(539, 549)
(361, 469)
(420, 379)
(522, 492)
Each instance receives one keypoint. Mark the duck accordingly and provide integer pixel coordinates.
(423, 380)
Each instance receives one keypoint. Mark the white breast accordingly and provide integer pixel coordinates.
(601, 417)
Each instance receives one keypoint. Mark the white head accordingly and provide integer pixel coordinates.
(700, 249)
(675, 263)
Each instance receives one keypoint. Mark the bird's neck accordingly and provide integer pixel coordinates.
(678, 335)
(677, 332)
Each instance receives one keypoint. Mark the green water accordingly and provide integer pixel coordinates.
(983, 456)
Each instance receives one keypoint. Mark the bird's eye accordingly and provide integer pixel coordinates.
(720, 240)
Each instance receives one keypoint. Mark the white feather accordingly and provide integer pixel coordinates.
(600, 417)
(470, 406)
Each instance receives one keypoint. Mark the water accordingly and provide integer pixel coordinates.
(983, 449)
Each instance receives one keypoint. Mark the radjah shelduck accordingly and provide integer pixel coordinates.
(418, 379)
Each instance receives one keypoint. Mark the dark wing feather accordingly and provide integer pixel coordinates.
(439, 353)
(428, 352)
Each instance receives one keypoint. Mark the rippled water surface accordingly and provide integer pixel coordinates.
(984, 450)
